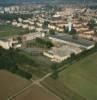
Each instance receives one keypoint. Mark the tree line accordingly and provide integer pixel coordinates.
(9, 60)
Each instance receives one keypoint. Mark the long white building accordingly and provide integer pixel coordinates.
(31, 36)
(75, 41)
(59, 54)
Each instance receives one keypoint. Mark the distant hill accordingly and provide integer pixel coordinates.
(2, 2)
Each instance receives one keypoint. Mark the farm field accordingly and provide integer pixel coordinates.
(9, 30)
(36, 93)
(10, 84)
(78, 81)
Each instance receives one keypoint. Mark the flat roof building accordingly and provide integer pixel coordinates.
(71, 40)
(59, 54)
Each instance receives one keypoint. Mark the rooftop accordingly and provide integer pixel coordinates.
(64, 50)
(76, 40)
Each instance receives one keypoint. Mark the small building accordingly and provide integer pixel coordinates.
(7, 43)
(59, 54)
(32, 36)
(52, 26)
(20, 20)
(39, 24)
(39, 29)
(31, 27)
(25, 26)
(19, 24)
(14, 23)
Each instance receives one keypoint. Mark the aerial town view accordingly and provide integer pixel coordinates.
(48, 49)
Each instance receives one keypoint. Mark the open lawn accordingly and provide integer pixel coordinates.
(78, 81)
(36, 93)
(9, 30)
(37, 65)
(10, 84)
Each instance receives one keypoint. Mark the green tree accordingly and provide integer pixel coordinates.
(54, 66)
(52, 32)
(55, 75)
(19, 39)
(45, 24)
(73, 32)
(91, 24)
(65, 29)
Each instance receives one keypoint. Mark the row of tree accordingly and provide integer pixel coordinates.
(9, 60)
(92, 23)
(43, 43)
(15, 16)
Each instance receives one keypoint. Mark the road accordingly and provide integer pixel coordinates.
(37, 82)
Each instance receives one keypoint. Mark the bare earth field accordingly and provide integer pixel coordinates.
(78, 81)
(10, 84)
(36, 93)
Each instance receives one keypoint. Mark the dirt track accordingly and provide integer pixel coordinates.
(10, 84)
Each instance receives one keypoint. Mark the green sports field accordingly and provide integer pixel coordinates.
(9, 30)
(78, 81)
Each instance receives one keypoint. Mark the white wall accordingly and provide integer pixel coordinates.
(5, 45)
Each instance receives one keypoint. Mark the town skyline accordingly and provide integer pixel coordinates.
(48, 50)
(49, 1)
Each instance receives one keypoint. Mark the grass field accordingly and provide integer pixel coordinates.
(36, 93)
(78, 81)
(10, 84)
(9, 30)
(38, 65)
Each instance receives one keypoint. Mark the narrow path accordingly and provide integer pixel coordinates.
(20, 92)
(34, 82)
